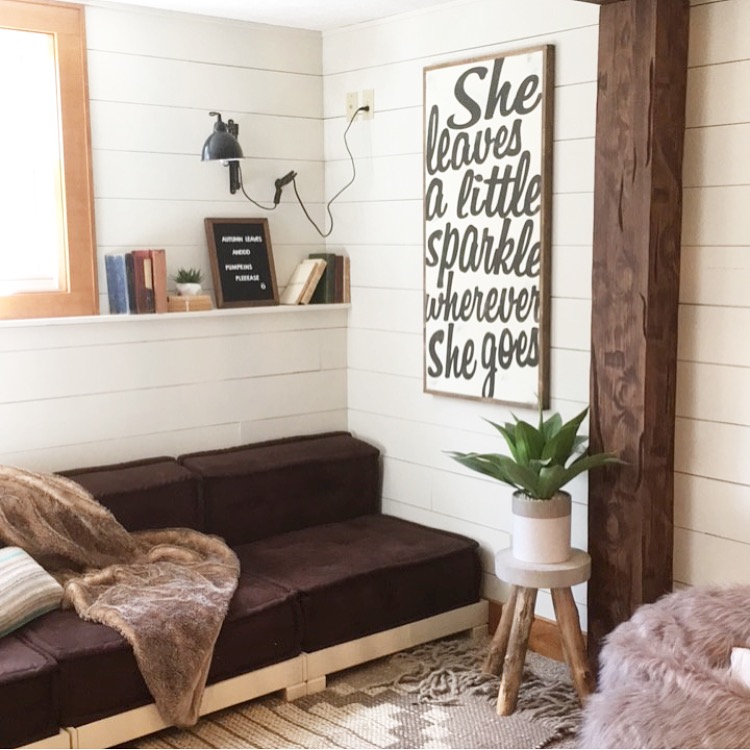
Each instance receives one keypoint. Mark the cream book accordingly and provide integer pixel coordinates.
(302, 284)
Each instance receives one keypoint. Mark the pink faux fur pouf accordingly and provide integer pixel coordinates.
(664, 676)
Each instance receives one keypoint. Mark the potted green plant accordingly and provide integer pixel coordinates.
(542, 461)
(188, 281)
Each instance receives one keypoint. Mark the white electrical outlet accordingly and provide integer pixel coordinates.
(368, 100)
(352, 102)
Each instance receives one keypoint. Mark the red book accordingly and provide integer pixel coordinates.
(143, 281)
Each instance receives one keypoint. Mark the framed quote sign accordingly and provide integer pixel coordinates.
(487, 208)
(241, 262)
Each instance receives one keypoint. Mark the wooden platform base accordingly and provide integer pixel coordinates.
(303, 675)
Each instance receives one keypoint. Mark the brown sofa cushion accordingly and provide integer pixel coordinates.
(98, 675)
(28, 703)
(154, 493)
(256, 491)
(367, 574)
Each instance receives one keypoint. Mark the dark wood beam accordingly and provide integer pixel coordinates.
(636, 259)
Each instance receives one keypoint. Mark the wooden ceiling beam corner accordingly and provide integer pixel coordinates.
(635, 294)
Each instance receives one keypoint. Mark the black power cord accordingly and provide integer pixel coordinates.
(292, 177)
(348, 184)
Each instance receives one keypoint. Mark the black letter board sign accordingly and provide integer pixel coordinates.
(241, 262)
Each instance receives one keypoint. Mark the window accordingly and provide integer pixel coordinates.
(47, 249)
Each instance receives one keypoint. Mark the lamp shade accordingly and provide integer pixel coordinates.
(221, 144)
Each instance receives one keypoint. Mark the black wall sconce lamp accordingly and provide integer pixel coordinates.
(222, 145)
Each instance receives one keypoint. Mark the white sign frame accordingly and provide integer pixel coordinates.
(487, 226)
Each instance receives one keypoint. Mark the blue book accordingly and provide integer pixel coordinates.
(117, 284)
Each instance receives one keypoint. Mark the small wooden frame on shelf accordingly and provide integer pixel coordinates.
(241, 262)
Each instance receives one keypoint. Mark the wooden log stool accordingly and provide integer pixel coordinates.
(510, 642)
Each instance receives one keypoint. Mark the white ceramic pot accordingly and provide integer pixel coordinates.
(541, 528)
(188, 290)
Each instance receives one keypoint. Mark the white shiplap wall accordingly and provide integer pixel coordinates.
(712, 461)
(89, 391)
(379, 224)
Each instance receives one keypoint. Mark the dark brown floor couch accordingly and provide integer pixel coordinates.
(324, 577)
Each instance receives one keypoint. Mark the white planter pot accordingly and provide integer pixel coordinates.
(541, 528)
(188, 290)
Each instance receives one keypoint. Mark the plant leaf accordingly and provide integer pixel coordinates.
(561, 447)
(530, 441)
(483, 463)
(551, 479)
(522, 477)
(508, 431)
(586, 463)
(552, 426)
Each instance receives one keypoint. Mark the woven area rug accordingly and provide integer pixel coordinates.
(431, 696)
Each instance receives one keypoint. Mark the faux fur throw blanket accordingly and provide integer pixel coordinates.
(166, 591)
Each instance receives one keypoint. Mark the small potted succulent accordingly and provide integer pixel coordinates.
(542, 461)
(188, 281)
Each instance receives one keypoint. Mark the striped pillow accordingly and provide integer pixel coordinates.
(27, 590)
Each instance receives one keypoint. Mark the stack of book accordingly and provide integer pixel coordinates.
(321, 278)
(334, 285)
(137, 281)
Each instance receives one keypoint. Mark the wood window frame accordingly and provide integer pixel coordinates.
(67, 23)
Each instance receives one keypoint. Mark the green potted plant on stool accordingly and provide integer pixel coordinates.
(542, 461)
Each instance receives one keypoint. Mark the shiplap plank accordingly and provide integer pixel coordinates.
(456, 27)
(575, 111)
(399, 131)
(392, 132)
(124, 126)
(401, 397)
(426, 444)
(394, 353)
(710, 392)
(386, 178)
(400, 222)
(712, 450)
(390, 178)
(137, 31)
(709, 334)
(572, 219)
(571, 324)
(296, 424)
(180, 177)
(713, 215)
(717, 156)
(715, 276)
(718, 32)
(576, 63)
(54, 422)
(385, 223)
(709, 97)
(149, 223)
(24, 376)
(123, 448)
(712, 507)
(387, 310)
(703, 559)
(114, 76)
(407, 483)
(569, 375)
(67, 334)
(386, 266)
(571, 271)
